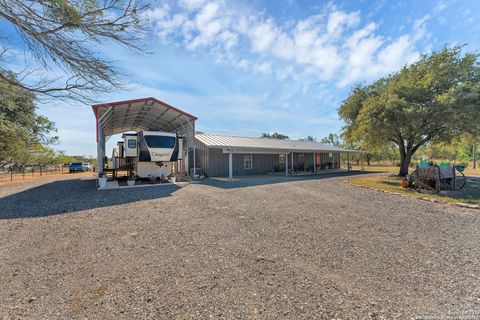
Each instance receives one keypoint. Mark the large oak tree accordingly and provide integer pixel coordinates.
(434, 99)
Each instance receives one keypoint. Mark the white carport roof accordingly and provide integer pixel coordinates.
(141, 114)
(249, 144)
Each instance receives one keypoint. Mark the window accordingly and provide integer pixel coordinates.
(247, 161)
(164, 142)
(132, 143)
(330, 155)
(281, 158)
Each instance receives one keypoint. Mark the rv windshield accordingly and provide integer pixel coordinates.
(164, 142)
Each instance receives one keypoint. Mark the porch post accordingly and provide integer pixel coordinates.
(286, 164)
(292, 163)
(314, 163)
(230, 166)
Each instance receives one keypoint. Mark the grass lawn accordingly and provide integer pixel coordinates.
(394, 169)
(469, 194)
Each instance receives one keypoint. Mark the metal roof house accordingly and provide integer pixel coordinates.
(211, 155)
(218, 155)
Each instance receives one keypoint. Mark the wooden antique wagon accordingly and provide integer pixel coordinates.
(435, 178)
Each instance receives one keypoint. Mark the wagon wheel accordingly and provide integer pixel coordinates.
(427, 181)
(412, 180)
(459, 180)
(429, 186)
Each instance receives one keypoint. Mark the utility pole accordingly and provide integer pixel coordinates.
(474, 157)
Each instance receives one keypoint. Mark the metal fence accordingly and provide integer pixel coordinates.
(28, 172)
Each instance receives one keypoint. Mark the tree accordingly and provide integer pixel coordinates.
(23, 133)
(309, 138)
(434, 99)
(62, 157)
(332, 139)
(460, 149)
(275, 135)
(62, 36)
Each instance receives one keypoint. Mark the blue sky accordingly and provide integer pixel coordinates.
(247, 67)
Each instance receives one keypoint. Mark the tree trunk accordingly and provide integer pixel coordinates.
(405, 158)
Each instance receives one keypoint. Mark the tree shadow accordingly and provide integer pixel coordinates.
(251, 181)
(66, 196)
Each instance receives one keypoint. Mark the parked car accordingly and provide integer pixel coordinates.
(77, 167)
(88, 166)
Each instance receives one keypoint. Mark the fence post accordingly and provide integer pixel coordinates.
(40, 170)
(11, 173)
(33, 170)
(23, 173)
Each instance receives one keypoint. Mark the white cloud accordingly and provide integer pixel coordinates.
(264, 67)
(284, 47)
(338, 20)
(330, 44)
(263, 35)
(191, 4)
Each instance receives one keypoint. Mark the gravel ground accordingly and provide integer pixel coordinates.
(286, 249)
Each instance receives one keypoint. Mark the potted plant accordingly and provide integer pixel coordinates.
(131, 180)
(102, 180)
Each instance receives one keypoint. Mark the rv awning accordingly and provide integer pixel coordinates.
(140, 114)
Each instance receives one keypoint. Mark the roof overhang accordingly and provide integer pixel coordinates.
(238, 144)
(227, 149)
(140, 114)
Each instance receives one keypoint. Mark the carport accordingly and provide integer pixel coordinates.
(143, 114)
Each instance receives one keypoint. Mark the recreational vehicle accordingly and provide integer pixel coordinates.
(148, 153)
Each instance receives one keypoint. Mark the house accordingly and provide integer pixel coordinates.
(226, 156)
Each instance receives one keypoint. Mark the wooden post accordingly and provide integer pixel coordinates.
(23, 173)
(474, 157)
(11, 173)
(40, 170)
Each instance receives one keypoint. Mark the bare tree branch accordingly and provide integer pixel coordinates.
(66, 35)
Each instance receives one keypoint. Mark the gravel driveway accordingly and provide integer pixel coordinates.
(271, 248)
